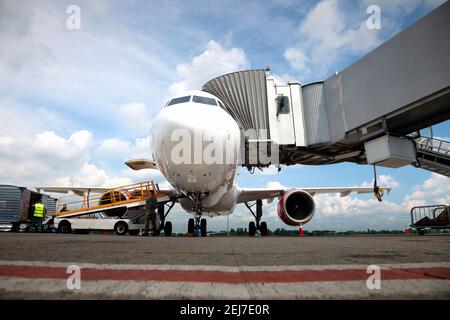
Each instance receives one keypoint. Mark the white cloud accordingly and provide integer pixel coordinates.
(297, 59)
(434, 190)
(399, 7)
(82, 74)
(214, 61)
(328, 34)
(388, 181)
(5, 142)
(44, 157)
(91, 175)
(325, 36)
(113, 146)
(135, 116)
(383, 181)
(50, 159)
(125, 150)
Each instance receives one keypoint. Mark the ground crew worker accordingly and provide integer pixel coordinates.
(150, 213)
(38, 215)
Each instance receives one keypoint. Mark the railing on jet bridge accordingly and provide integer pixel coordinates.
(432, 145)
(115, 196)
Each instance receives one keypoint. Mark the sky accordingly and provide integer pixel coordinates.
(76, 103)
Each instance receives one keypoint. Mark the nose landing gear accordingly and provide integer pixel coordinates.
(257, 224)
(197, 226)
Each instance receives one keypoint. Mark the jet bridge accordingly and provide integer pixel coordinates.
(393, 92)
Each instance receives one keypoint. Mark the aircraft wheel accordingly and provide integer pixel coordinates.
(263, 229)
(121, 228)
(251, 229)
(203, 227)
(191, 226)
(168, 229)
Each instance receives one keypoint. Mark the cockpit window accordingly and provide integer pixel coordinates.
(204, 100)
(179, 100)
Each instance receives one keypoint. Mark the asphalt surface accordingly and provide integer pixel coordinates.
(216, 261)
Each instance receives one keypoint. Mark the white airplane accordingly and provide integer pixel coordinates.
(207, 187)
(204, 183)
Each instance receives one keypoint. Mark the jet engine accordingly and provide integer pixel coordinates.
(296, 207)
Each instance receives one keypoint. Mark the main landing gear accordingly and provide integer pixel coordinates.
(197, 226)
(257, 224)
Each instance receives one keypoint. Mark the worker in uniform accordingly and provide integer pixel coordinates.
(150, 213)
(38, 215)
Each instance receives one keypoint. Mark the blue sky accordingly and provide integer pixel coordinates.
(75, 104)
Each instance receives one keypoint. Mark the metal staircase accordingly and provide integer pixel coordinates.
(434, 155)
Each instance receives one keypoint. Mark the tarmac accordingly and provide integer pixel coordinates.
(45, 266)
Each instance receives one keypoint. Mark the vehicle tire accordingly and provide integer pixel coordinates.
(168, 229)
(121, 228)
(203, 227)
(64, 227)
(251, 229)
(421, 232)
(133, 232)
(263, 229)
(191, 226)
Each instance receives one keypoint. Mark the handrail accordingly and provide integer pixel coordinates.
(420, 212)
(434, 145)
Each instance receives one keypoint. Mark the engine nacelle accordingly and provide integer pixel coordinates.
(296, 207)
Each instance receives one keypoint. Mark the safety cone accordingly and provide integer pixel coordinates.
(300, 232)
(407, 231)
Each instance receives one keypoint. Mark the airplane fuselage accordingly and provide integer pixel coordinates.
(196, 147)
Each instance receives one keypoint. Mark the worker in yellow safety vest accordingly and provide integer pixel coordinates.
(38, 215)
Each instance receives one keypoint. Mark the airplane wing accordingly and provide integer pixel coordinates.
(247, 194)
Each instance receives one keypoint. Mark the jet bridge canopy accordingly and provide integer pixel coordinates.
(244, 95)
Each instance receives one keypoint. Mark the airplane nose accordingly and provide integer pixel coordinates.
(192, 142)
(199, 117)
(210, 122)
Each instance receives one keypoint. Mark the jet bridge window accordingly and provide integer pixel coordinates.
(204, 100)
(179, 100)
(282, 105)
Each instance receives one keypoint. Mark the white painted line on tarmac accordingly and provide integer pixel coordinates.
(222, 268)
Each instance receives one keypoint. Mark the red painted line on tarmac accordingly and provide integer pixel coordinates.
(289, 276)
